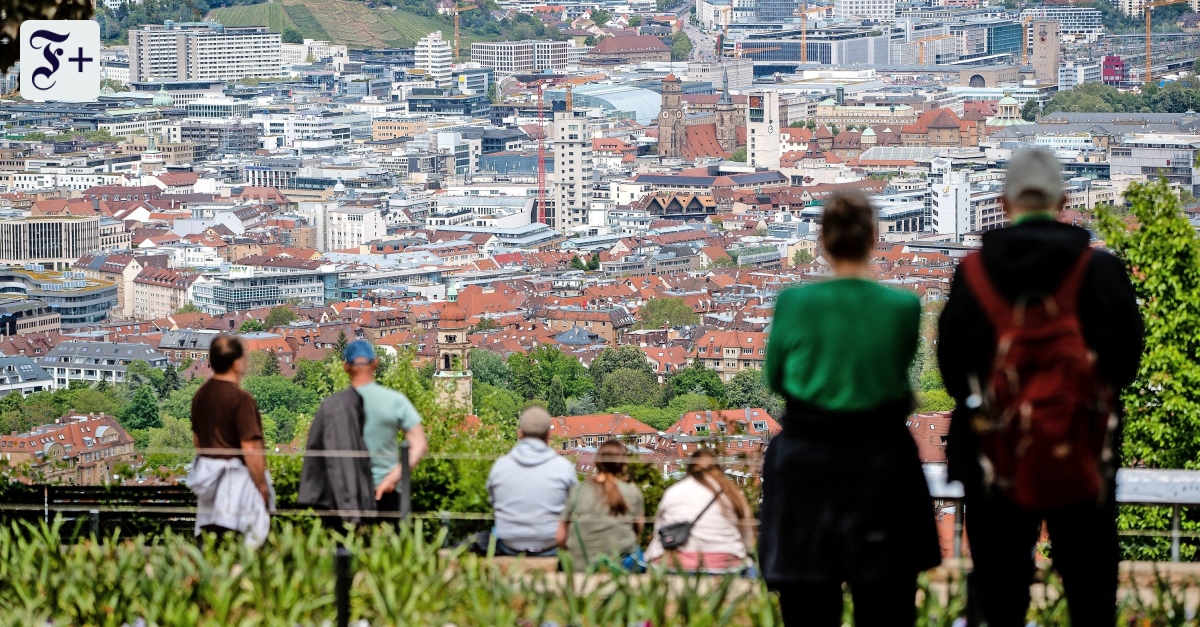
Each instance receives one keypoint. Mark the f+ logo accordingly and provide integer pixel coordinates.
(59, 60)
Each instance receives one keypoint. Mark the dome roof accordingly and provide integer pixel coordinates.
(1007, 100)
(340, 187)
(452, 312)
(162, 98)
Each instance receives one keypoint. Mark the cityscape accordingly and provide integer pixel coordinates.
(590, 208)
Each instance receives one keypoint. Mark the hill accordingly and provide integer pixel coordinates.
(344, 22)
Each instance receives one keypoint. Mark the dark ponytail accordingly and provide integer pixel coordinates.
(848, 226)
(610, 466)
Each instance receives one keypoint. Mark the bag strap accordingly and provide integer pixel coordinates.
(716, 497)
(998, 310)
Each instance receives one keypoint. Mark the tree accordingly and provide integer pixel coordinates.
(1029, 110)
(681, 46)
(1162, 421)
(171, 381)
(636, 20)
(739, 155)
(485, 324)
(271, 367)
(593, 262)
(274, 392)
(659, 313)
(623, 357)
(532, 374)
(292, 36)
(250, 326)
(488, 367)
(139, 373)
(811, 124)
(696, 379)
(279, 316)
(590, 40)
(748, 389)
(339, 346)
(601, 17)
(115, 85)
(188, 308)
(626, 386)
(142, 410)
(802, 258)
(1186, 198)
(93, 401)
(175, 433)
(577, 263)
(179, 403)
(556, 403)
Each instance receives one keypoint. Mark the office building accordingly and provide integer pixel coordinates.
(219, 108)
(435, 58)
(21, 316)
(512, 57)
(97, 361)
(1079, 22)
(220, 137)
(349, 227)
(190, 51)
(243, 289)
(762, 130)
(78, 300)
(572, 141)
(309, 52)
(53, 241)
(1074, 73)
(1148, 156)
(882, 10)
(776, 10)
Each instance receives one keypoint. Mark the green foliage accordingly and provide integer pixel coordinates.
(497, 407)
(662, 418)
(802, 258)
(292, 36)
(697, 379)
(531, 374)
(275, 391)
(489, 367)
(590, 40)
(116, 86)
(636, 20)
(739, 155)
(1162, 422)
(748, 388)
(279, 316)
(139, 373)
(577, 263)
(142, 410)
(179, 403)
(485, 324)
(601, 17)
(626, 386)
(611, 359)
(313, 375)
(175, 433)
(339, 346)
(666, 312)
(556, 403)
(934, 400)
(251, 326)
(593, 262)
(681, 46)
(188, 308)
(1175, 97)
(271, 366)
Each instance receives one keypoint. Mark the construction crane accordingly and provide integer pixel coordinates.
(540, 210)
(924, 40)
(803, 12)
(457, 29)
(1146, 9)
(1025, 40)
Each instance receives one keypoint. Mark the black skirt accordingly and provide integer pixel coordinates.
(845, 499)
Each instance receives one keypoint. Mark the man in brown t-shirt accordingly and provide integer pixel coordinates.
(225, 419)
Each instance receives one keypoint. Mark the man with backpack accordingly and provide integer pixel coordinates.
(1038, 337)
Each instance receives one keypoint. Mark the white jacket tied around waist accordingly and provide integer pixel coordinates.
(226, 496)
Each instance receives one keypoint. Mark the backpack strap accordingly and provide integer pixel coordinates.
(997, 309)
(1066, 297)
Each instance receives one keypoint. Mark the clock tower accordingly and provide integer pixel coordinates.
(672, 128)
(452, 374)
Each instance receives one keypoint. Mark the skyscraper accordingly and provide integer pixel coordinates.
(572, 140)
(434, 56)
(202, 51)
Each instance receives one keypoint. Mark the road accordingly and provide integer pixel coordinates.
(703, 44)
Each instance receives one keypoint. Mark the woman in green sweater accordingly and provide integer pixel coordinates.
(844, 497)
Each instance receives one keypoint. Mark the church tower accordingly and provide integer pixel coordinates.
(672, 131)
(727, 116)
(452, 375)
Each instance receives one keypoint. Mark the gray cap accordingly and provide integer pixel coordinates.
(1034, 179)
(535, 423)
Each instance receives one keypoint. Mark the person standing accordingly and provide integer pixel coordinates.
(603, 518)
(229, 477)
(1040, 277)
(844, 495)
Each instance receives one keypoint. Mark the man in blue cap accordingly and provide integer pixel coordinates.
(387, 413)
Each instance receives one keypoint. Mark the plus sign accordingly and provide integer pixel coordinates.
(80, 59)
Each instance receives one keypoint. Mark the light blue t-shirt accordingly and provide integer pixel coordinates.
(388, 412)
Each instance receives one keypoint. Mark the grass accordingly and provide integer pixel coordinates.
(346, 22)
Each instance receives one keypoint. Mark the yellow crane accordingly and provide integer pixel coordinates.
(803, 12)
(1146, 9)
(924, 40)
(1025, 40)
(457, 30)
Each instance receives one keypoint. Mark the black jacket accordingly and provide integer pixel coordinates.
(1033, 257)
(338, 482)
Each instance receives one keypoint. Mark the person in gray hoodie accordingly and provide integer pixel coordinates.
(528, 489)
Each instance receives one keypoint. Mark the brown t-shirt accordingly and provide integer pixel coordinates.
(223, 416)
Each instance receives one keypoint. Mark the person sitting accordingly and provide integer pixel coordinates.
(722, 524)
(603, 519)
(528, 489)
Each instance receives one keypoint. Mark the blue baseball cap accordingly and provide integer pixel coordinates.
(359, 352)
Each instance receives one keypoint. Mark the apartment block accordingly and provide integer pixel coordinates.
(189, 51)
(511, 57)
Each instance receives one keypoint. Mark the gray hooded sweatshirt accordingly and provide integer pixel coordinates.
(528, 489)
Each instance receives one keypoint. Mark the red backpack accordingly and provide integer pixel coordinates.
(1045, 421)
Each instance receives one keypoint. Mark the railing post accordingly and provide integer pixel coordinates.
(960, 514)
(445, 518)
(405, 482)
(94, 515)
(1175, 524)
(344, 573)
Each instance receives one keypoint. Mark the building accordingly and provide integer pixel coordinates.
(97, 361)
(52, 241)
(762, 130)
(76, 450)
(1046, 51)
(1080, 23)
(512, 57)
(672, 128)
(182, 344)
(572, 142)
(383, 129)
(571, 432)
(435, 58)
(191, 51)
(1147, 156)
(1113, 71)
(78, 300)
(19, 373)
(881, 10)
(159, 292)
(21, 317)
(218, 108)
(348, 227)
(1074, 73)
(220, 137)
(729, 352)
(452, 374)
(243, 288)
(310, 51)
(613, 51)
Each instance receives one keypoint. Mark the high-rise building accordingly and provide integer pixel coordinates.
(54, 241)
(672, 129)
(202, 51)
(435, 58)
(347, 227)
(1046, 53)
(572, 139)
(884, 10)
(774, 10)
(762, 129)
(511, 57)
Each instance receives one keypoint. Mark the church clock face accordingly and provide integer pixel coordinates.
(449, 386)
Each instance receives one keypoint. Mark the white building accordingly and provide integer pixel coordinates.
(202, 51)
(884, 10)
(571, 136)
(299, 126)
(1072, 74)
(762, 129)
(1075, 22)
(115, 70)
(350, 227)
(511, 57)
(950, 204)
(309, 51)
(435, 58)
